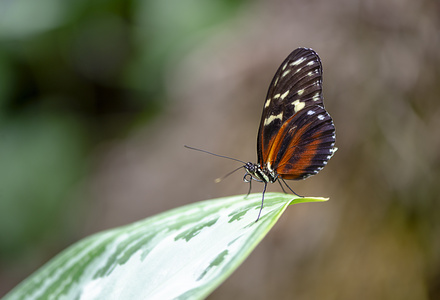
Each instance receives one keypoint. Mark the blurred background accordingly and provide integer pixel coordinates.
(97, 99)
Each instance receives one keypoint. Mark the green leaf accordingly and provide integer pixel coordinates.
(183, 253)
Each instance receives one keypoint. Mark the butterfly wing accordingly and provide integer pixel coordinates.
(296, 135)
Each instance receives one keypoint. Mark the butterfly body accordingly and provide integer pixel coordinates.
(262, 174)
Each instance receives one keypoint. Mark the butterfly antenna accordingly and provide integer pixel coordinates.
(230, 173)
(204, 151)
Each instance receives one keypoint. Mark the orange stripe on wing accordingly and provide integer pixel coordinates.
(276, 142)
(295, 161)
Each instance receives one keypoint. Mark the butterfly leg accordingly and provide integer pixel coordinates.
(248, 178)
(290, 188)
(262, 202)
(250, 187)
(282, 187)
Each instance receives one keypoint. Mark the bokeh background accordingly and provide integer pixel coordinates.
(97, 99)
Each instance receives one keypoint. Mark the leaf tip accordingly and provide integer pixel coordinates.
(308, 199)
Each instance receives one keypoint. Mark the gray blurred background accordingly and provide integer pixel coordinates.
(97, 99)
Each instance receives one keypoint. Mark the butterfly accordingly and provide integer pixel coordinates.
(296, 137)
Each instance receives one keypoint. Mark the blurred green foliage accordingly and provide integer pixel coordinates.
(73, 74)
(41, 158)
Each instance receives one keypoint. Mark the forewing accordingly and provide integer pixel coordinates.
(296, 86)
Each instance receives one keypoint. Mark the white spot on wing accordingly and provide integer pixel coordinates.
(310, 63)
(272, 118)
(285, 94)
(276, 96)
(276, 81)
(310, 112)
(284, 67)
(321, 117)
(298, 61)
(332, 152)
(300, 92)
(316, 97)
(298, 105)
(267, 103)
(285, 73)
